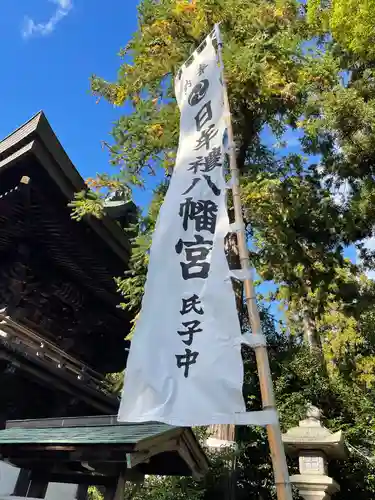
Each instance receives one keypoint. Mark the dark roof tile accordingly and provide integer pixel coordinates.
(108, 434)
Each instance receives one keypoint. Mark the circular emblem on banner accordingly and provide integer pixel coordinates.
(198, 92)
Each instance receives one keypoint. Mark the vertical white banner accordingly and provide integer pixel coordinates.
(184, 367)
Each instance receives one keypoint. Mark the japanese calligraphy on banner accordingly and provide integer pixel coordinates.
(184, 367)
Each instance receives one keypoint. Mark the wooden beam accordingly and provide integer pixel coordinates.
(195, 450)
(153, 442)
(185, 453)
(45, 372)
(139, 457)
(57, 453)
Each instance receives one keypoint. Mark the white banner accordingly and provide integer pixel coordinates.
(184, 367)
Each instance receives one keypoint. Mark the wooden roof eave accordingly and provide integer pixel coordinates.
(37, 137)
(191, 451)
(106, 228)
(179, 439)
(23, 346)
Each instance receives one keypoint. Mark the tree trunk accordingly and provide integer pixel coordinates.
(223, 432)
(310, 333)
(227, 432)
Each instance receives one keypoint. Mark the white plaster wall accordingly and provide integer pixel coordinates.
(17, 498)
(55, 491)
(8, 478)
(59, 491)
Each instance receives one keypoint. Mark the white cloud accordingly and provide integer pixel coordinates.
(32, 28)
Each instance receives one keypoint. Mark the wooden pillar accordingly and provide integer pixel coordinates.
(22, 484)
(109, 492)
(116, 492)
(38, 488)
(40, 477)
(119, 495)
(225, 489)
(81, 492)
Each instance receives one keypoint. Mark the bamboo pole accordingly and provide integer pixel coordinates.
(280, 468)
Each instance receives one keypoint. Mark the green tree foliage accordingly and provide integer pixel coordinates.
(299, 230)
(131, 288)
(351, 23)
(340, 119)
(278, 79)
(289, 68)
(299, 381)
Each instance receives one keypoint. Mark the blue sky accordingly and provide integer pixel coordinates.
(50, 48)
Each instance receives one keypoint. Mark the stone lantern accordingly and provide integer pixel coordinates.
(314, 445)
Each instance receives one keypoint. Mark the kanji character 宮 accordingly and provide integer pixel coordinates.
(198, 92)
(201, 69)
(202, 212)
(196, 253)
(191, 329)
(186, 360)
(203, 116)
(205, 137)
(191, 304)
(210, 183)
(208, 163)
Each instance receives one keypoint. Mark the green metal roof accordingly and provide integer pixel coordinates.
(107, 434)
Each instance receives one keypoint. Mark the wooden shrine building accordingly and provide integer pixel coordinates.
(97, 451)
(61, 329)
